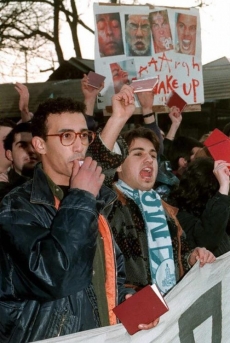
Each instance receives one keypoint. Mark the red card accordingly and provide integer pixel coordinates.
(218, 145)
(142, 308)
(95, 80)
(176, 100)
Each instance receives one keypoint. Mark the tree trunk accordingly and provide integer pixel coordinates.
(58, 48)
(73, 28)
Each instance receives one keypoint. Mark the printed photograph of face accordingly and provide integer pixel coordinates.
(122, 73)
(161, 31)
(109, 34)
(138, 35)
(186, 28)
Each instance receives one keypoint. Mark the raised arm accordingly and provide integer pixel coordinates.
(222, 174)
(123, 107)
(146, 102)
(102, 149)
(22, 90)
(176, 118)
(90, 94)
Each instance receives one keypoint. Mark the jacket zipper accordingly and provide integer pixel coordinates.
(62, 324)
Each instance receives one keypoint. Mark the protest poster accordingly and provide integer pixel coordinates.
(136, 42)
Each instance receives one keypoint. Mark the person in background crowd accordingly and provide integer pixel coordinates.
(138, 35)
(181, 152)
(226, 129)
(109, 34)
(6, 125)
(204, 204)
(20, 152)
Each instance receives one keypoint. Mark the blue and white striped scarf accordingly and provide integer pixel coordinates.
(162, 265)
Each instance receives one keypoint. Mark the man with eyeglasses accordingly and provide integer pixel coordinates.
(58, 275)
(138, 35)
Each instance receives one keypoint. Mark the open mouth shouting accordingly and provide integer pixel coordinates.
(186, 44)
(146, 173)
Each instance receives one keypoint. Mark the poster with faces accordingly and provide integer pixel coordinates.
(137, 42)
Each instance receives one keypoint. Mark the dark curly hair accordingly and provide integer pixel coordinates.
(53, 106)
(197, 185)
(7, 122)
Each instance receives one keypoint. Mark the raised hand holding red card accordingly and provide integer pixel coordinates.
(144, 85)
(218, 145)
(176, 100)
(95, 80)
(142, 308)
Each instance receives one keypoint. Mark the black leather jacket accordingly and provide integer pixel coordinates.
(15, 180)
(46, 270)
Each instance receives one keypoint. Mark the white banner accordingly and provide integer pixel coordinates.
(199, 312)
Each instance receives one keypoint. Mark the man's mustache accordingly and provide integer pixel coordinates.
(76, 157)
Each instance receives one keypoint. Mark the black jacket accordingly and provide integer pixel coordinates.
(45, 286)
(209, 229)
(14, 180)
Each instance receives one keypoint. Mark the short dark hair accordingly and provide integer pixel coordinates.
(9, 140)
(7, 123)
(182, 147)
(141, 132)
(197, 185)
(53, 106)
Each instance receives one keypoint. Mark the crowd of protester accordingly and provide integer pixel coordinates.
(86, 212)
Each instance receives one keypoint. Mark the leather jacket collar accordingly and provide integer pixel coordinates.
(42, 193)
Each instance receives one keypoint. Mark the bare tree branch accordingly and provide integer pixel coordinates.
(33, 28)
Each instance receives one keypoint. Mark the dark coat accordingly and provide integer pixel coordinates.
(129, 231)
(45, 286)
(15, 180)
(46, 260)
(209, 229)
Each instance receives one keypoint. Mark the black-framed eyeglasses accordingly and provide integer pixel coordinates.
(69, 137)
